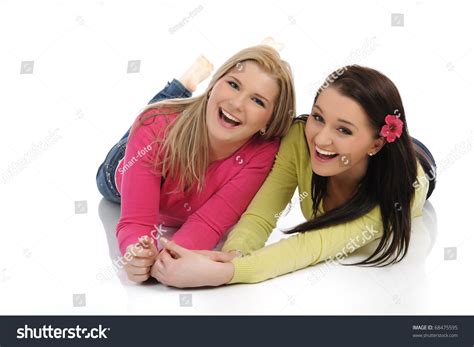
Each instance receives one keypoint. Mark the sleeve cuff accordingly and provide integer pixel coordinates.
(244, 271)
(128, 240)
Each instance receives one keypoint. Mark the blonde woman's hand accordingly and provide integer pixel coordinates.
(142, 256)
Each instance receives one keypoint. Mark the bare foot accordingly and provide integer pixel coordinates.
(269, 41)
(197, 72)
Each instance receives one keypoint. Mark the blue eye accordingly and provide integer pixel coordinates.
(318, 118)
(345, 131)
(233, 85)
(259, 102)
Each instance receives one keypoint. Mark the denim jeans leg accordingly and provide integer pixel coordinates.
(173, 90)
(105, 177)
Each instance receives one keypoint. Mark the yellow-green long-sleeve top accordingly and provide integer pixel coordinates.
(292, 168)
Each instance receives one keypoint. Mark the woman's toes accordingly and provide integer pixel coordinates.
(269, 41)
(198, 72)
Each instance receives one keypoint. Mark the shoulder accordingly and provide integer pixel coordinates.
(153, 122)
(156, 117)
(296, 133)
(259, 151)
(293, 146)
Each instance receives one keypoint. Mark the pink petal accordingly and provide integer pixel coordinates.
(385, 130)
(391, 137)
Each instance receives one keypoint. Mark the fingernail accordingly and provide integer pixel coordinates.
(164, 240)
(150, 254)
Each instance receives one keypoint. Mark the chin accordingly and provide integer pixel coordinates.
(318, 169)
(322, 172)
(221, 136)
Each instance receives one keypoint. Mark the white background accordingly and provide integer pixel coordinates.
(60, 117)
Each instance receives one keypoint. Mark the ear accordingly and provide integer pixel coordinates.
(377, 145)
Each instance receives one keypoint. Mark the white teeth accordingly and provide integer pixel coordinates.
(228, 115)
(324, 152)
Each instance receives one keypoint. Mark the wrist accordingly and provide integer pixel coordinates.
(225, 273)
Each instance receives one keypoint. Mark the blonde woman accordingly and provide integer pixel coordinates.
(196, 163)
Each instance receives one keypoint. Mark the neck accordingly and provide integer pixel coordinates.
(218, 151)
(345, 185)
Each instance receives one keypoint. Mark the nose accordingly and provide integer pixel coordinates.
(323, 137)
(237, 102)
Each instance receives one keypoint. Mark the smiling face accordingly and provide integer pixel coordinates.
(240, 104)
(339, 136)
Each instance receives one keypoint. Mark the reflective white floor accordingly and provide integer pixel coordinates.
(63, 112)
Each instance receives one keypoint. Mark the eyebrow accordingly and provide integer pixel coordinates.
(260, 96)
(339, 119)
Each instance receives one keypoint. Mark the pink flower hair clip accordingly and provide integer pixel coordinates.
(392, 129)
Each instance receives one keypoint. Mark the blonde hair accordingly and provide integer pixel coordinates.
(185, 147)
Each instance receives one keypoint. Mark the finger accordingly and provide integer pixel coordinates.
(158, 269)
(222, 257)
(144, 241)
(148, 242)
(218, 257)
(160, 278)
(153, 247)
(142, 262)
(173, 254)
(138, 278)
(166, 258)
(214, 255)
(172, 246)
(134, 270)
(160, 254)
(140, 252)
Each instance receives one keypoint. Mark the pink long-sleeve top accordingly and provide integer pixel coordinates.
(202, 218)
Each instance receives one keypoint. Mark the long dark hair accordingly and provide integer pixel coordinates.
(391, 173)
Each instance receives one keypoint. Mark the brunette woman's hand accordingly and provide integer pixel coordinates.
(222, 257)
(187, 268)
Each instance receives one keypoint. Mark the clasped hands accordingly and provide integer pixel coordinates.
(177, 266)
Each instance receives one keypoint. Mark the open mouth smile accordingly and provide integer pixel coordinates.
(227, 119)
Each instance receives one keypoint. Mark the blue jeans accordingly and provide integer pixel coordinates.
(105, 177)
